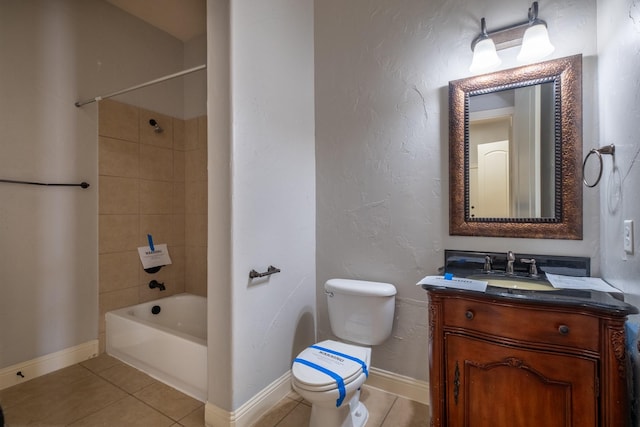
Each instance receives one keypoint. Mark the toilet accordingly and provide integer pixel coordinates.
(329, 374)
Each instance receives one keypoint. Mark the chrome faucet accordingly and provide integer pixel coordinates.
(533, 270)
(511, 258)
(487, 264)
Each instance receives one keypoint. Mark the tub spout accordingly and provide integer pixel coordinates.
(155, 284)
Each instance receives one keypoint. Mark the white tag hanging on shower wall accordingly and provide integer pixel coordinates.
(156, 257)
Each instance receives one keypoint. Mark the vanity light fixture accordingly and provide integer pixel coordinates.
(532, 35)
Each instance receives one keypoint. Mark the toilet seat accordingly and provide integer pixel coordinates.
(344, 361)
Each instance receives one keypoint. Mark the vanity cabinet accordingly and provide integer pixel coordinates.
(527, 359)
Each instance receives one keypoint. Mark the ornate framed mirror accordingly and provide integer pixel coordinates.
(515, 152)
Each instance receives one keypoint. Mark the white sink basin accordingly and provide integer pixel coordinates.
(515, 283)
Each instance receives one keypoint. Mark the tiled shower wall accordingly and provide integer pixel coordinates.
(150, 183)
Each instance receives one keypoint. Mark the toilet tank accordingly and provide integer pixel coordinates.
(361, 311)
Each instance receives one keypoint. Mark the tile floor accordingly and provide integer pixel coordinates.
(385, 410)
(106, 392)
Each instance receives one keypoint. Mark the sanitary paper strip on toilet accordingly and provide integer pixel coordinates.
(154, 258)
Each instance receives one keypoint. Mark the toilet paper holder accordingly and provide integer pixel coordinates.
(253, 274)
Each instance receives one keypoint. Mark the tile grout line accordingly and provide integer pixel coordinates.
(388, 411)
(129, 394)
(190, 413)
(298, 403)
(132, 394)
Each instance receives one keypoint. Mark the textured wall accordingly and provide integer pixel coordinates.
(619, 102)
(54, 53)
(619, 111)
(219, 306)
(273, 197)
(382, 70)
(195, 84)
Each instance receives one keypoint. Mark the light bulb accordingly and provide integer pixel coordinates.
(535, 44)
(485, 56)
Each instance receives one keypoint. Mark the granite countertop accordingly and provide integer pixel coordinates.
(472, 264)
(588, 299)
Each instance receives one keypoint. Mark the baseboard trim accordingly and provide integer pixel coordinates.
(253, 409)
(406, 387)
(48, 363)
(262, 402)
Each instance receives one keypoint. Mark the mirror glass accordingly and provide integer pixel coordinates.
(512, 153)
(515, 152)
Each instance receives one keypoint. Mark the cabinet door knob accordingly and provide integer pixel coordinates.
(469, 314)
(563, 329)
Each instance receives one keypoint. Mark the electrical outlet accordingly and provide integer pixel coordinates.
(628, 236)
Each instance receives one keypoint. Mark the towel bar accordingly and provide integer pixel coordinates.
(12, 181)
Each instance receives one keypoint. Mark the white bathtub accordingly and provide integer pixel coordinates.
(170, 346)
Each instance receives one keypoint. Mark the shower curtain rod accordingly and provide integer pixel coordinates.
(140, 86)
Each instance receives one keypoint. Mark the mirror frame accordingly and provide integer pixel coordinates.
(566, 73)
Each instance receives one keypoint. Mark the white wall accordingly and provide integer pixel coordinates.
(219, 285)
(273, 179)
(272, 194)
(382, 73)
(195, 84)
(54, 53)
(619, 95)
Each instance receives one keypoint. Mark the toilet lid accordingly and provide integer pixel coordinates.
(341, 360)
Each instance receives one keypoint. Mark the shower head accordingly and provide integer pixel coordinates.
(156, 126)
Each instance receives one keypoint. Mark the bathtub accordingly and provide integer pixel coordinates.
(170, 346)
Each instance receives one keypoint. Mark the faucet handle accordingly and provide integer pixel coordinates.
(533, 270)
(155, 284)
(487, 264)
(511, 258)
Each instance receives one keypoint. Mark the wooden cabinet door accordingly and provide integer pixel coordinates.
(493, 385)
